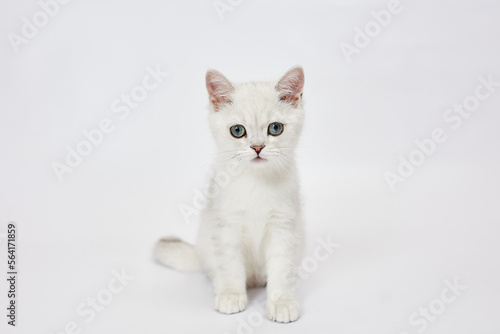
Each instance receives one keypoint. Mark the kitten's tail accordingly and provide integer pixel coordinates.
(177, 254)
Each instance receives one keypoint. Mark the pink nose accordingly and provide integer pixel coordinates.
(258, 148)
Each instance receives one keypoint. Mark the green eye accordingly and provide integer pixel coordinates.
(275, 129)
(238, 131)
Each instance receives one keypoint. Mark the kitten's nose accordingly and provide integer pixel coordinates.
(258, 148)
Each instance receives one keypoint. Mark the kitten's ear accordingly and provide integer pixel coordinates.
(290, 86)
(219, 89)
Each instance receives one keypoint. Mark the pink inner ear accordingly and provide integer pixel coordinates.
(219, 89)
(290, 86)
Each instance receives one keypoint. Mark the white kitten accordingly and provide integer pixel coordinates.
(251, 229)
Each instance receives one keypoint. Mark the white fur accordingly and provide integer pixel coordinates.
(251, 230)
(177, 254)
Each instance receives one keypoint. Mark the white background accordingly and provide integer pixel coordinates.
(397, 249)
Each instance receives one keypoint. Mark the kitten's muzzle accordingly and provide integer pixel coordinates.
(257, 149)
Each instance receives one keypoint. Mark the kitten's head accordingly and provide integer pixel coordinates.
(257, 123)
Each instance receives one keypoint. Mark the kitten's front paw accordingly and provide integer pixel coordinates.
(283, 310)
(230, 302)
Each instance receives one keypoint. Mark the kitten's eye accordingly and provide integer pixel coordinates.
(275, 129)
(238, 131)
